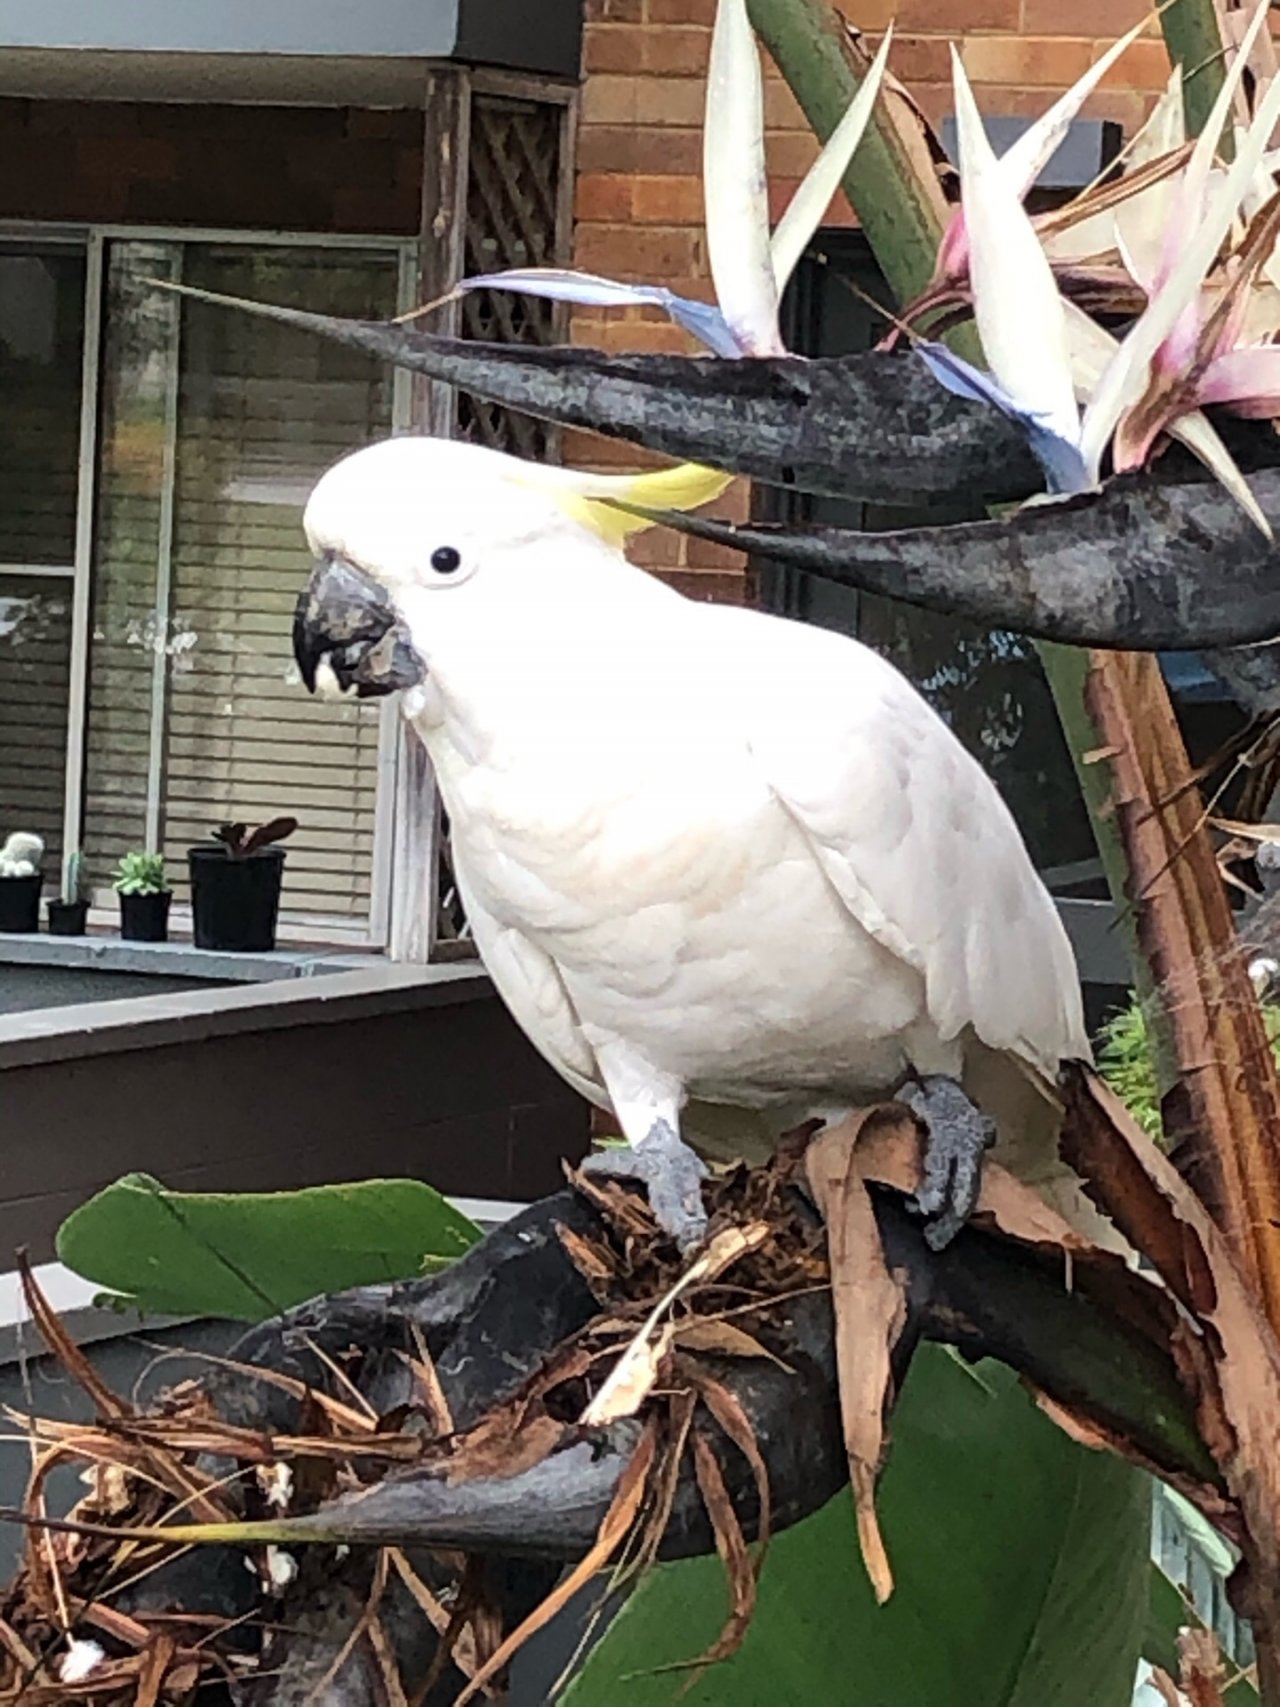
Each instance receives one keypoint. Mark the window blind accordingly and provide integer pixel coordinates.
(255, 412)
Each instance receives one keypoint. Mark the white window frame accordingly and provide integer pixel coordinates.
(372, 932)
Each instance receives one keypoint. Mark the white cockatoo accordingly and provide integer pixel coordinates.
(711, 858)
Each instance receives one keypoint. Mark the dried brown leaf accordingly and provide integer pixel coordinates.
(505, 1444)
(1167, 1687)
(889, 1153)
(637, 1371)
(13, 1644)
(1227, 1096)
(387, 1667)
(1201, 1672)
(726, 1248)
(732, 1548)
(155, 1665)
(869, 1310)
(614, 1527)
(63, 1347)
(623, 1208)
(434, 1403)
(714, 1335)
(591, 1259)
(683, 1405)
(632, 1378)
(728, 1412)
(1237, 1369)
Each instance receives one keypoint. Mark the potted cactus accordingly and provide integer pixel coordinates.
(21, 859)
(235, 886)
(69, 915)
(145, 895)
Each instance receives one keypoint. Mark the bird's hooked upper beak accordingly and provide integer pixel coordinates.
(345, 616)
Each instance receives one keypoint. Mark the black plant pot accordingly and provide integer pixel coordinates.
(20, 903)
(145, 918)
(235, 902)
(67, 918)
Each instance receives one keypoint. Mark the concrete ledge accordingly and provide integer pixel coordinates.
(129, 1024)
(175, 959)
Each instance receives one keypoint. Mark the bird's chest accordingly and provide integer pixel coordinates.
(684, 911)
(593, 841)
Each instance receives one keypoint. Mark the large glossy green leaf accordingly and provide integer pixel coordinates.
(248, 1255)
(1022, 1578)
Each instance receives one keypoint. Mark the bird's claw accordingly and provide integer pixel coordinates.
(672, 1175)
(957, 1136)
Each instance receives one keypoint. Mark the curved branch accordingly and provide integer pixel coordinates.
(1140, 565)
(986, 1295)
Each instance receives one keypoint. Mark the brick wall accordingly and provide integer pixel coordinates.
(639, 194)
(291, 168)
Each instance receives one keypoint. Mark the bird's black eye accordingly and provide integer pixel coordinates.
(445, 560)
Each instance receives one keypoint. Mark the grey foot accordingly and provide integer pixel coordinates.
(958, 1135)
(672, 1176)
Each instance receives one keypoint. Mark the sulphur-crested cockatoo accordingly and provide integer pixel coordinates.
(710, 857)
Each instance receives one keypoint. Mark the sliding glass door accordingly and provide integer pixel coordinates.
(147, 688)
(215, 426)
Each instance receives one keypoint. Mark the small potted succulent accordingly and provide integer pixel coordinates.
(145, 895)
(69, 915)
(235, 886)
(21, 877)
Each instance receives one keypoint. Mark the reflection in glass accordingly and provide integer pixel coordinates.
(42, 290)
(41, 327)
(216, 425)
(35, 670)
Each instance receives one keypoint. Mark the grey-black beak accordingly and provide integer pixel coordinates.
(343, 615)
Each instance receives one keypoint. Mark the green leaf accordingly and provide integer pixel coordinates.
(1021, 1563)
(249, 1255)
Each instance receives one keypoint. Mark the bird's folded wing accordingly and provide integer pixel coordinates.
(530, 984)
(913, 836)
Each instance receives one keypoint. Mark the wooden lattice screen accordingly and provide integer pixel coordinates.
(516, 210)
(513, 207)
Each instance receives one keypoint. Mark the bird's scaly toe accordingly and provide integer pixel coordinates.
(672, 1175)
(957, 1137)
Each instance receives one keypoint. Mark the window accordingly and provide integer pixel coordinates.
(214, 427)
(42, 299)
(178, 557)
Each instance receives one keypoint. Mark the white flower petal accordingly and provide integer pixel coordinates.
(813, 198)
(1128, 374)
(1016, 302)
(1024, 160)
(735, 187)
(560, 284)
(1142, 223)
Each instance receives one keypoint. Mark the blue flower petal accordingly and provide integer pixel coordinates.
(1060, 459)
(702, 319)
